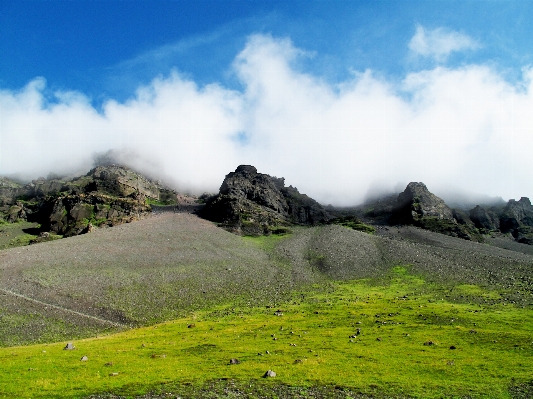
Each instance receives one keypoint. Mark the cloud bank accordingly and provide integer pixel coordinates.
(464, 128)
(439, 43)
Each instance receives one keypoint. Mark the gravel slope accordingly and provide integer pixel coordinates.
(170, 264)
(342, 253)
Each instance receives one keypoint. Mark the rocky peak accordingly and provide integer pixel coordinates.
(119, 181)
(418, 202)
(517, 219)
(107, 195)
(418, 206)
(255, 203)
(259, 188)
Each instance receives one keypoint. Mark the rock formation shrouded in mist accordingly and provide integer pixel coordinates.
(254, 203)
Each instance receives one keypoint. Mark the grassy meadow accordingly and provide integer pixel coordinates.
(397, 336)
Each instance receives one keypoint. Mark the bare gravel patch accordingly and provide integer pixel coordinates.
(342, 253)
(144, 272)
(171, 264)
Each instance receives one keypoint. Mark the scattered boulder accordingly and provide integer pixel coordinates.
(69, 346)
(234, 361)
(84, 359)
(269, 373)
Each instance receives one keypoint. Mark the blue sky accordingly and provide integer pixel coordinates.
(337, 96)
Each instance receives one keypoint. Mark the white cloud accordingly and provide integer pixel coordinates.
(439, 43)
(463, 128)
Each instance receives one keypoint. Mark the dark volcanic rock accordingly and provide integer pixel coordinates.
(417, 202)
(517, 219)
(253, 203)
(462, 217)
(484, 219)
(107, 195)
(516, 214)
(419, 207)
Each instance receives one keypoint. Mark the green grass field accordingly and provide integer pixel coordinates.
(13, 234)
(392, 337)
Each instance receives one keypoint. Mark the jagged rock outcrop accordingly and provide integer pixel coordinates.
(462, 217)
(517, 219)
(483, 219)
(106, 196)
(253, 203)
(419, 207)
(516, 214)
(416, 205)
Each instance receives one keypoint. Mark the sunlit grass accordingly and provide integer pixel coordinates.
(407, 344)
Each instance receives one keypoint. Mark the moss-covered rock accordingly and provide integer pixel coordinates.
(252, 203)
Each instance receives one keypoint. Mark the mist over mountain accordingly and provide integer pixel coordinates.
(463, 129)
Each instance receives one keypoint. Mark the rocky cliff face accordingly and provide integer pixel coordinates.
(417, 203)
(106, 196)
(418, 206)
(253, 203)
(483, 219)
(517, 219)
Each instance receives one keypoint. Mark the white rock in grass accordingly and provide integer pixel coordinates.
(269, 373)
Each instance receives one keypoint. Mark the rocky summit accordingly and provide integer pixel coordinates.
(416, 205)
(253, 203)
(106, 196)
(248, 203)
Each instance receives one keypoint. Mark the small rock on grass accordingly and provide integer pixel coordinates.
(269, 373)
(70, 346)
(84, 359)
(234, 361)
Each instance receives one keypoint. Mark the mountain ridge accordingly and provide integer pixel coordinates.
(248, 203)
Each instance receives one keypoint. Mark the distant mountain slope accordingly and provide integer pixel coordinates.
(417, 206)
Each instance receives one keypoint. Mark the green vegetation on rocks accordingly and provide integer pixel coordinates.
(354, 223)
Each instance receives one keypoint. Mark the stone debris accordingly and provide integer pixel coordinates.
(269, 373)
